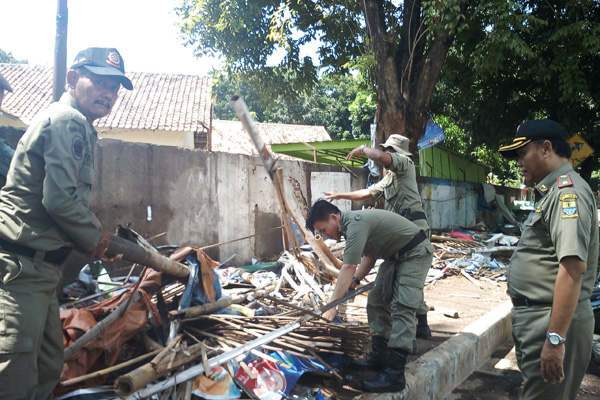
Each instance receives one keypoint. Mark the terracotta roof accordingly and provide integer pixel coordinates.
(157, 101)
(230, 136)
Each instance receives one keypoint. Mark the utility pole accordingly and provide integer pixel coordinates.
(60, 50)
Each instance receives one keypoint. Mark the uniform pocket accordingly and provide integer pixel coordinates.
(11, 339)
(86, 175)
(10, 267)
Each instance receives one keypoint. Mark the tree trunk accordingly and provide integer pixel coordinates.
(405, 72)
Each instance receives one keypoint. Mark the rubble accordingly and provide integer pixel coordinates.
(194, 327)
(266, 311)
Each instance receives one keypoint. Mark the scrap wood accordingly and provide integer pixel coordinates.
(140, 255)
(471, 279)
(140, 377)
(195, 311)
(107, 371)
(336, 261)
(225, 357)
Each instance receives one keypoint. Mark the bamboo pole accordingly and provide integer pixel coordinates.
(140, 377)
(334, 260)
(241, 110)
(208, 308)
(137, 254)
(109, 370)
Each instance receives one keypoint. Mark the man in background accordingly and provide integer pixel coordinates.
(44, 214)
(399, 188)
(552, 271)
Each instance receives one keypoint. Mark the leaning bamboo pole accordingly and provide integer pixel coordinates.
(289, 207)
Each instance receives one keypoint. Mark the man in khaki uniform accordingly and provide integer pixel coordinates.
(399, 188)
(373, 234)
(44, 213)
(552, 272)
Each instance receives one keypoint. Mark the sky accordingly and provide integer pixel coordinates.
(143, 31)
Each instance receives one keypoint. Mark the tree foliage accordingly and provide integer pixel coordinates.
(340, 103)
(532, 60)
(7, 57)
(400, 45)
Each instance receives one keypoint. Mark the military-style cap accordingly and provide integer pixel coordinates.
(4, 84)
(398, 143)
(537, 129)
(103, 61)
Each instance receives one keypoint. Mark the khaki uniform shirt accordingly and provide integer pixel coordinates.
(376, 232)
(399, 186)
(563, 223)
(45, 204)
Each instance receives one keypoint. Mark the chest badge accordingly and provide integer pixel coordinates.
(77, 148)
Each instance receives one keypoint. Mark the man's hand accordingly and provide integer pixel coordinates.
(331, 196)
(102, 246)
(552, 362)
(357, 153)
(330, 314)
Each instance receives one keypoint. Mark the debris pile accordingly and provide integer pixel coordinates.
(138, 338)
(469, 254)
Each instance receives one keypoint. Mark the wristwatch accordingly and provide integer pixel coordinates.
(362, 149)
(555, 339)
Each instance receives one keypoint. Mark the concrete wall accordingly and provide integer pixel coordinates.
(156, 136)
(198, 198)
(204, 198)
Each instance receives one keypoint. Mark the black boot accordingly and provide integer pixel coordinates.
(391, 379)
(423, 331)
(375, 360)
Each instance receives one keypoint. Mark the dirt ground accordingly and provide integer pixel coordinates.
(456, 302)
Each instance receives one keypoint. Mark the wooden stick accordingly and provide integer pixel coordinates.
(208, 308)
(109, 370)
(471, 279)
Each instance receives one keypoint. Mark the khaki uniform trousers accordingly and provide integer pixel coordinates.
(31, 343)
(529, 327)
(395, 321)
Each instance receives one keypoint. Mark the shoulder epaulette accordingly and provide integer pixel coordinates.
(564, 180)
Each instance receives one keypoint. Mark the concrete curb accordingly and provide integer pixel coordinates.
(439, 371)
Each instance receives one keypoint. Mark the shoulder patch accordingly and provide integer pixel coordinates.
(564, 180)
(568, 196)
(77, 148)
(357, 217)
(569, 208)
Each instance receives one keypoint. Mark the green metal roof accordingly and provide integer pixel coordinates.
(435, 162)
(330, 152)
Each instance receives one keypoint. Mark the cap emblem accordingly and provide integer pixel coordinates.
(113, 59)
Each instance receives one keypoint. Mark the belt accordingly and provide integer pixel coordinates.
(413, 216)
(526, 302)
(414, 242)
(55, 256)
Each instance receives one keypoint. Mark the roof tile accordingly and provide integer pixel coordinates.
(167, 101)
